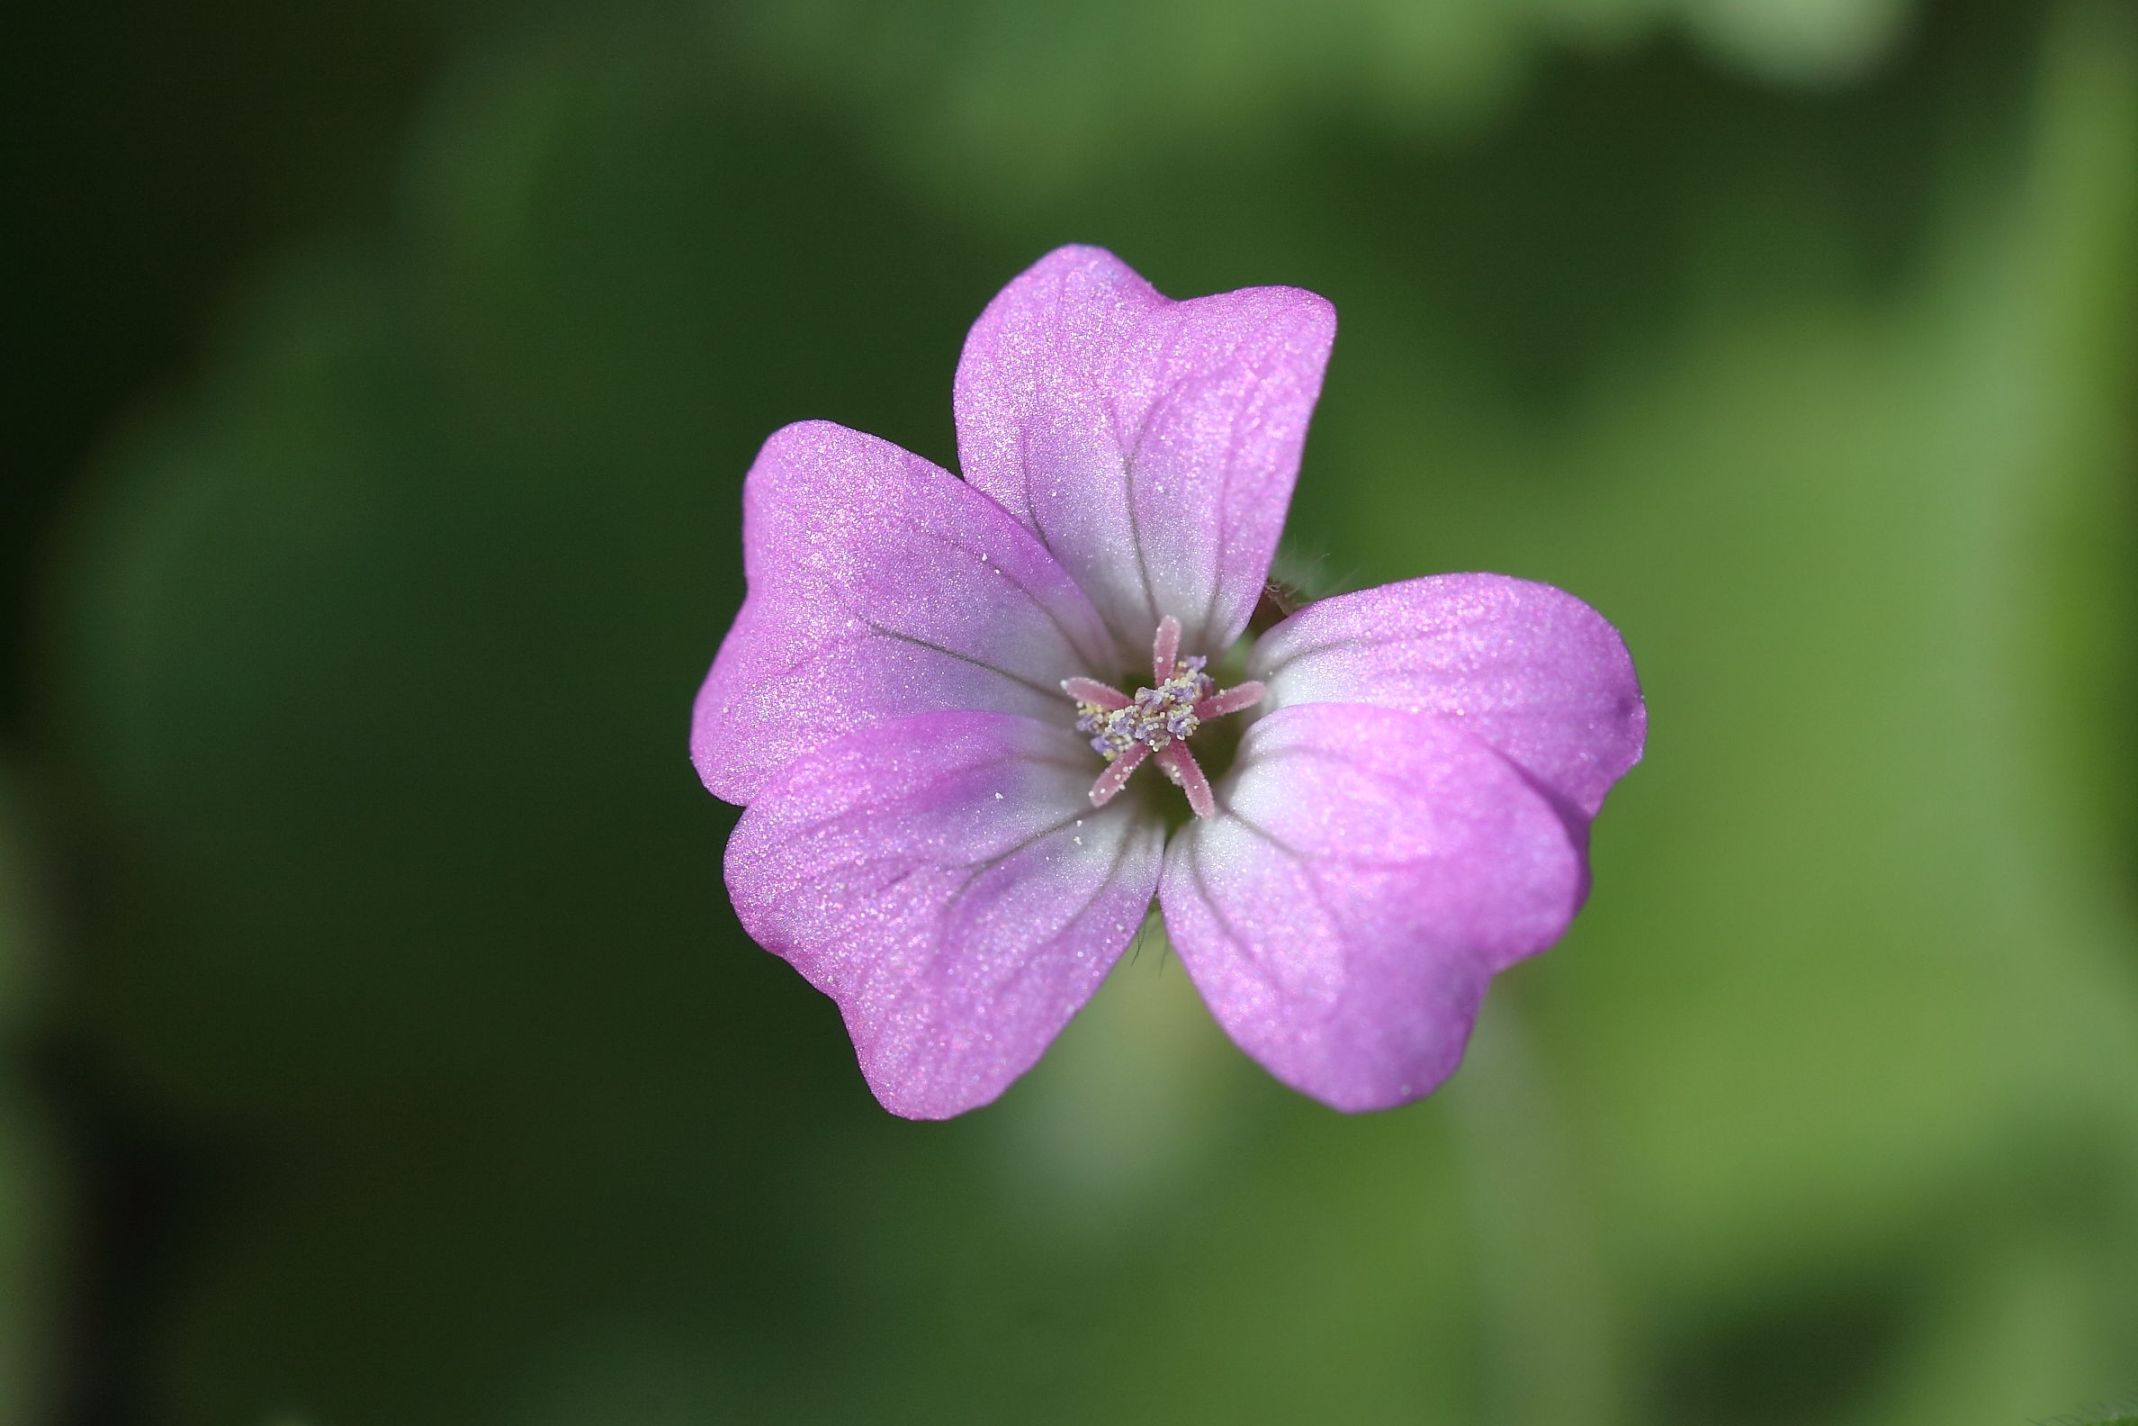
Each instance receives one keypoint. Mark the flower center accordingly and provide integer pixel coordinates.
(1155, 717)
(1157, 722)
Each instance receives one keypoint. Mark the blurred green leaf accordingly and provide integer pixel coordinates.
(1035, 104)
(31, 1222)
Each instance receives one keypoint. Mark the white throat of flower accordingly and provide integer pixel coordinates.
(1158, 721)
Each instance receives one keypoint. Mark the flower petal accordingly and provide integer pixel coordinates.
(1151, 444)
(1528, 668)
(1367, 873)
(880, 585)
(946, 881)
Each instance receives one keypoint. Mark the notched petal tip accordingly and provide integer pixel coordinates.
(1080, 372)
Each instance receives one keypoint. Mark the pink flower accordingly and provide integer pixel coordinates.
(922, 708)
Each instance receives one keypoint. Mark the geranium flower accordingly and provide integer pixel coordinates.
(932, 706)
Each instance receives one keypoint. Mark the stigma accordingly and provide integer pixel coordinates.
(1157, 722)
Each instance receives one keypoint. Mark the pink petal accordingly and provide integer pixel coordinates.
(1528, 668)
(946, 881)
(1151, 444)
(879, 586)
(1367, 872)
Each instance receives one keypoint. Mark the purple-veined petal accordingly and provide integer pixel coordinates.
(1367, 873)
(1151, 444)
(880, 585)
(1528, 668)
(946, 880)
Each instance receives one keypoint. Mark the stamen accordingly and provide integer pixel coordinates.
(1115, 777)
(1165, 649)
(1103, 695)
(1181, 766)
(1231, 700)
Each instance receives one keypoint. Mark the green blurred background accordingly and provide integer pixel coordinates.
(381, 1048)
